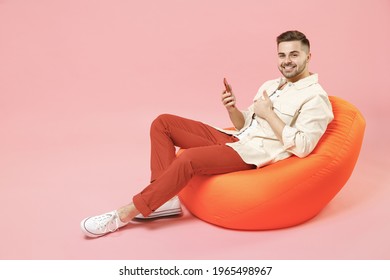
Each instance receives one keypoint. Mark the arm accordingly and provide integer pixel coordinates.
(301, 139)
(311, 124)
(263, 108)
(236, 116)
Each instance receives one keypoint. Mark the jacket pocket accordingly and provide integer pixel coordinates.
(286, 113)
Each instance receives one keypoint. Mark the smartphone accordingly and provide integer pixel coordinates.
(227, 86)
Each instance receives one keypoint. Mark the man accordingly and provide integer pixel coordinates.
(288, 117)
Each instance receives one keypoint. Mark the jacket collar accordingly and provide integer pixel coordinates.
(303, 83)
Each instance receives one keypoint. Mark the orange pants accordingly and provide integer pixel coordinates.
(205, 154)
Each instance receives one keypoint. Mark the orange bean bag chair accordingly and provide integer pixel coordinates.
(285, 193)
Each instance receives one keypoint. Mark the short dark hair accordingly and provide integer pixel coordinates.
(293, 35)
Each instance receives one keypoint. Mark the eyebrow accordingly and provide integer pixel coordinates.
(292, 52)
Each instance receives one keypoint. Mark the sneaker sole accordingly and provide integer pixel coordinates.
(161, 214)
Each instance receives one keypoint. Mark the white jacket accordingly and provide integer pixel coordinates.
(305, 109)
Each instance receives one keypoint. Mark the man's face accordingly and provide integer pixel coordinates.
(293, 58)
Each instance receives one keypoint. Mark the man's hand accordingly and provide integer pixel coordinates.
(236, 116)
(264, 109)
(263, 106)
(229, 100)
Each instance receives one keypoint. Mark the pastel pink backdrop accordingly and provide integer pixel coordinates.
(80, 82)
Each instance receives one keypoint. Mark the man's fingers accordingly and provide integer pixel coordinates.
(227, 95)
(226, 101)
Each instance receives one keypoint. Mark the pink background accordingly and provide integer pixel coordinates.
(80, 82)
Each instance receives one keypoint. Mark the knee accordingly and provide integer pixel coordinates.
(185, 158)
(163, 122)
(163, 117)
(160, 121)
(184, 164)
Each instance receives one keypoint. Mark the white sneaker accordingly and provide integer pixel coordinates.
(170, 208)
(100, 225)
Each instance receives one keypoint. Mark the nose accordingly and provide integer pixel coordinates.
(286, 60)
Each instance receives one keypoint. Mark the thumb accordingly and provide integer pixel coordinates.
(265, 95)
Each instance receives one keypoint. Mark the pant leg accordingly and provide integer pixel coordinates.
(168, 131)
(208, 160)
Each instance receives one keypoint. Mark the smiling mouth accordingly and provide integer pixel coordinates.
(288, 68)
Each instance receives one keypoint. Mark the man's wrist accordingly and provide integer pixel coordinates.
(270, 115)
(232, 110)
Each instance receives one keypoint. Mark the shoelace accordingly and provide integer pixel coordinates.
(104, 222)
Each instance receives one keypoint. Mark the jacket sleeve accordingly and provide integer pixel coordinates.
(248, 115)
(313, 118)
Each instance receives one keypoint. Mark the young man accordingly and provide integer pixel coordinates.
(288, 117)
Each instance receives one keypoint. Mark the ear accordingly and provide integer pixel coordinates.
(308, 57)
